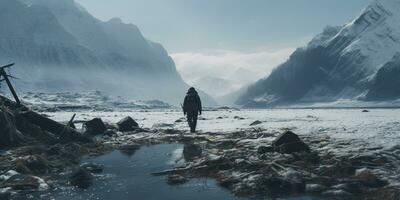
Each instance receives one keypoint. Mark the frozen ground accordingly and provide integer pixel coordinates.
(379, 127)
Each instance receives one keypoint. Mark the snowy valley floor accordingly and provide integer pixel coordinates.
(354, 153)
(352, 145)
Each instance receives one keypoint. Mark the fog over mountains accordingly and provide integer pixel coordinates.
(359, 61)
(58, 45)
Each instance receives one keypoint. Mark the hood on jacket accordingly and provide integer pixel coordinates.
(191, 90)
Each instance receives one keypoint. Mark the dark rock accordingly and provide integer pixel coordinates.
(127, 124)
(265, 149)
(276, 185)
(21, 168)
(95, 126)
(285, 138)
(191, 151)
(176, 179)
(81, 179)
(294, 147)
(289, 142)
(5, 195)
(368, 178)
(129, 149)
(110, 133)
(255, 123)
(36, 164)
(93, 168)
(21, 182)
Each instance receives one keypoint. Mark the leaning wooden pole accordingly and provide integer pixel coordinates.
(5, 75)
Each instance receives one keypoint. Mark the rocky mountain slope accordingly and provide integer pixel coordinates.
(345, 62)
(58, 45)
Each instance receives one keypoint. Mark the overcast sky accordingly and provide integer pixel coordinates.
(218, 32)
(190, 25)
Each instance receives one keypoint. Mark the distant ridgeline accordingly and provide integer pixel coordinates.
(359, 61)
(57, 44)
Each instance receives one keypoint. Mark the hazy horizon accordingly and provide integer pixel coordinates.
(214, 39)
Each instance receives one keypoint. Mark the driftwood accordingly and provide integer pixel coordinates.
(64, 132)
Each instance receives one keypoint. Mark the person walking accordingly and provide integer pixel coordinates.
(192, 108)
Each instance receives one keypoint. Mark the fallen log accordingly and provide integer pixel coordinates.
(63, 132)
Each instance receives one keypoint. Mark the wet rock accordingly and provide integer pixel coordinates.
(81, 179)
(95, 126)
(21, 168)
(21, 182)
(289, 142)
(176, 179)
(129, 149)
(297, 184)
(293, 147)
(277, 185)
(255, 123)
(315, 188)
(5, 195)
(225, 179)
(127, 124)
(34, 164)
(192, 151)
(93, 168)
(110, 133)
(265, 149)
(368, 178)
(285, 138)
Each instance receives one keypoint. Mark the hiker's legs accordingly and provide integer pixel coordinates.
(194, 122)
(190, 120)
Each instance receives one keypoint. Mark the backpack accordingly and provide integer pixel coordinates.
(191, 102)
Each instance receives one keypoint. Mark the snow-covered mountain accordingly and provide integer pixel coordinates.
(58, 45)
(348, 62)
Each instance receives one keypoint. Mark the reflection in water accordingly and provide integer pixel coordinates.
(128, 177)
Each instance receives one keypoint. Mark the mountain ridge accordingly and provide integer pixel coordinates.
(340, 63)
(58, 45)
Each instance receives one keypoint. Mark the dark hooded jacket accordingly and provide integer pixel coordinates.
(192, 102)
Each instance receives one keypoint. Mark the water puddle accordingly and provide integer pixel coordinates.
(129, 177)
